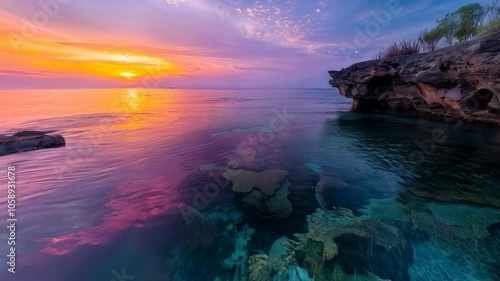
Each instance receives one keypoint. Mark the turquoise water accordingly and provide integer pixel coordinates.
(247, 185)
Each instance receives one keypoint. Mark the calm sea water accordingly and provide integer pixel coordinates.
(129, 197)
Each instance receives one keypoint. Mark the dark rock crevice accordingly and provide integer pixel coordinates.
(461, 81)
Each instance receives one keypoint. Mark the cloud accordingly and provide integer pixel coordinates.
(27, 73)
(203, 40)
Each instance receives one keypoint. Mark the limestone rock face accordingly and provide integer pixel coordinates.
(459, 81)
(29, 140)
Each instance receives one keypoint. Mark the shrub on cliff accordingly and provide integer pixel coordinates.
(429, 39)
(401, 48)
(489, 28)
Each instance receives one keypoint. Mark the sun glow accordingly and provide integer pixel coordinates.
(52, 55)
(48, 55)
(128, 75)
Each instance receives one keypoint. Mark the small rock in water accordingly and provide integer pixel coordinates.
(29, 140)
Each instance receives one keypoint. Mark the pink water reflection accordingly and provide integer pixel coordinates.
(132, 204)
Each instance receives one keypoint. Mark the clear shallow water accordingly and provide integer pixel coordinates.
(140, 188)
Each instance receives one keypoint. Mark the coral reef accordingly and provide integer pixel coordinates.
(457, 240)
(307, 256)
(318, 246)
(385, 239)
(240, 254)
(262, 267)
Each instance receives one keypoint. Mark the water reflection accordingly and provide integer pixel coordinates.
(132, 204)
(460, 169)
(335, 195)
(451, 197)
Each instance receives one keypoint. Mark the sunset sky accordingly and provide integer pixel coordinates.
(198, 43)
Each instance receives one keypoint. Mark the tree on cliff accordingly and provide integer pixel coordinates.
(462, 25)
(446, 28)
(469, 18)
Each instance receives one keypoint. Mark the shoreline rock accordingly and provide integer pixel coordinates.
(461, 81)
(29, 140)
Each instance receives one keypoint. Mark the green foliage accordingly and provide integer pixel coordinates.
(462, 25)
(429, 39)
(468, 18)
(447, 27)
(489, 28)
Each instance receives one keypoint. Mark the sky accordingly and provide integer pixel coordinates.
(199, 43)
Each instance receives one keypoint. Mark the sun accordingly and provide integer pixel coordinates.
(128, 75)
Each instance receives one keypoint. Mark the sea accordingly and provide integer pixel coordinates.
(173, 185)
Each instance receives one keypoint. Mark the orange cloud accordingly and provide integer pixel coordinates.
(50, 52)
(45, 52)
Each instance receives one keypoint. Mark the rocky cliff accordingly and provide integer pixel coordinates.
(459, 81)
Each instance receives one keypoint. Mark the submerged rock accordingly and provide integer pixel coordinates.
(265, 193)
(260, 268)
(263, 267)
(29, 140)
(316, 248)
(267, 181)
(459, 81)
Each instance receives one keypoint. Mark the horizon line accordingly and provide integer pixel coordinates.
(163, 88)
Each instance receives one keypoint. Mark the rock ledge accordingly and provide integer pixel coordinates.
(459, 81)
